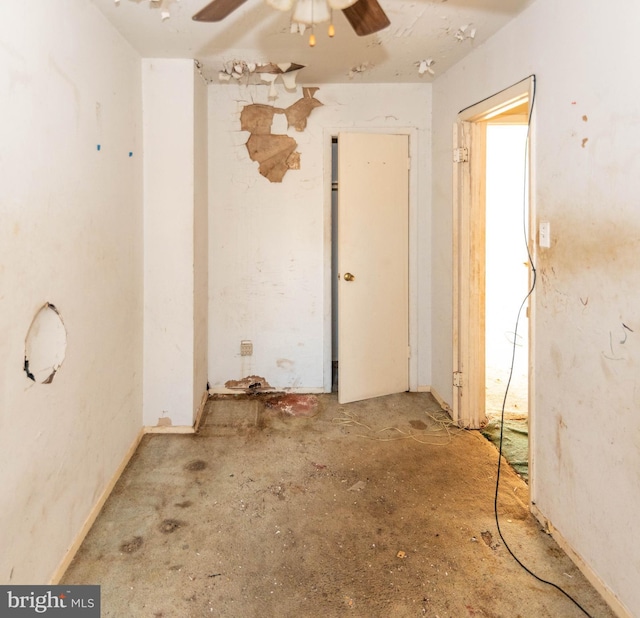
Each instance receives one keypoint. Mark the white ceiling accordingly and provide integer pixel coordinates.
(439, 30)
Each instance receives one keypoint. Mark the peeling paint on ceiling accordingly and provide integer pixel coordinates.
(420, 29)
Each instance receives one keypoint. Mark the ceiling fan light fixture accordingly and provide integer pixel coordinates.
(364, 16)
(311, 12)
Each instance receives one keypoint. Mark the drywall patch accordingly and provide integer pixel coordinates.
(250, 384)
(276, 154)
(257, 118)
(293, 161)
(272, 153)
(298, 113)
(45, 345)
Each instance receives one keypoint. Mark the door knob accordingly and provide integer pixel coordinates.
(349, 277)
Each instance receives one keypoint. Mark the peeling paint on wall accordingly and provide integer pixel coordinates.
(272, 152)
(257, 118)
(250, 384)
(276, 154)
(298, 113)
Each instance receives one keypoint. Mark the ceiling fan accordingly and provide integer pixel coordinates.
(365, 16)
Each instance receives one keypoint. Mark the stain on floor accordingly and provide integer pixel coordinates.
(196, 465)
(293, 404)
(355, 511)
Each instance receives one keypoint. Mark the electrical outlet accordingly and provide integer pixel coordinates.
(246, 348)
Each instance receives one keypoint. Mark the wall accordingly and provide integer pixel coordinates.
(270, 242)
(174, 220)
(586, 428)
(70, 235)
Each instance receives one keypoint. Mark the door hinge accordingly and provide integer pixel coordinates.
(457, 379)
(409, 163)
(460, 155)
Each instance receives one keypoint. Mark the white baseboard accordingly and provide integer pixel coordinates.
(168, 429)
(181, 428)
(200, 413)
(605, 592)
(93, 514)
(97, 507)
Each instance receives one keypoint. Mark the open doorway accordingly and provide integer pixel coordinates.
(506, 285)
(484, 228)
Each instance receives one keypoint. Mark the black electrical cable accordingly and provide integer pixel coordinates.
(513, 357)
(464, 109)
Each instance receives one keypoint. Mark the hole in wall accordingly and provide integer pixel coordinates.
(45, 345)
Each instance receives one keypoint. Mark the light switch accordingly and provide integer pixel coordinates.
(544, 234)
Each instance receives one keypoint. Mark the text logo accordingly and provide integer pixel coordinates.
(50, 601)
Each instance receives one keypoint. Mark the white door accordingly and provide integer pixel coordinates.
(373, 272)
(469, 276)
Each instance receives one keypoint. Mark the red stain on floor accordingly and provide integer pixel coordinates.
(294, 405)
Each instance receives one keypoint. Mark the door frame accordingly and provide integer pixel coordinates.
(328, 134)
(469, 221)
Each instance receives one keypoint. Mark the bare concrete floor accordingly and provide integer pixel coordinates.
(373, 509)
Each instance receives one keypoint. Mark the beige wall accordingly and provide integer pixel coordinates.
(586, 179)
(270, 242)
(71, 235)
(175, 197)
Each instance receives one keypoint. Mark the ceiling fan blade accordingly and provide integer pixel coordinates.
(366, 17)
(217, 10)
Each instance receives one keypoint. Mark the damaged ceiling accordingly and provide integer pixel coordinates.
(425, 37)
